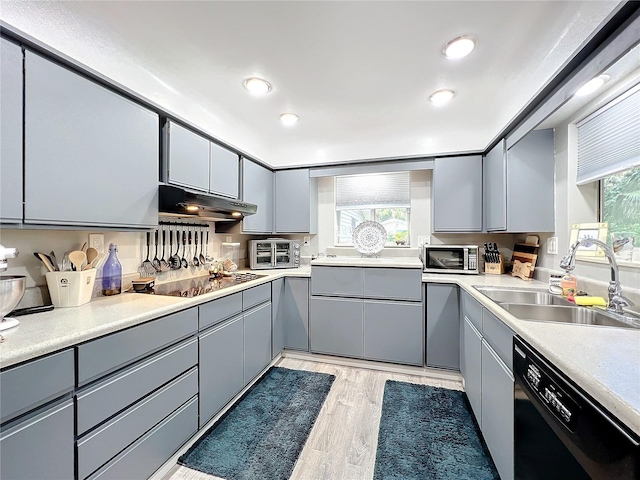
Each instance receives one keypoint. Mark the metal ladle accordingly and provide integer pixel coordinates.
(201, 258)
(184, 262)
(156, 260)
(196, 261)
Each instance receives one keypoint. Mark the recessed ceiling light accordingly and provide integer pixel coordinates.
(289, 119)
(459, 47)
(441, 97)
(592, 85)
(257, 86)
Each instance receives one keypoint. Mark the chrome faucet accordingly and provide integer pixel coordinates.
(617, 302)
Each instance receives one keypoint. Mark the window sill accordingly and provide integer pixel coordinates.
(604, 261)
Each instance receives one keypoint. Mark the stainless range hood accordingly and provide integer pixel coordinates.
(181, 203)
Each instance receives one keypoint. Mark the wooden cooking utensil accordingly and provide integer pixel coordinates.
(77, 257)
(92, 254)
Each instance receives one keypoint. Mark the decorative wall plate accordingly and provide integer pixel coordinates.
(369, 237)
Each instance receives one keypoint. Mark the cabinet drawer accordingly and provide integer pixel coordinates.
(256, 295)
(219, 310)
(336, 281)
(108, 397)
(149, 453)
(109, 353)
(39, 447)
(472, 309)
(98, 447)
(499, 336)
(393, 332)
(393, 283)
(35, 383)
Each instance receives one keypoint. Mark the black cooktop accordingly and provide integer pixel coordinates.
(193, 287)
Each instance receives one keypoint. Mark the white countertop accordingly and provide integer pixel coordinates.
(47, 332)
(604, 361)
(390, 262)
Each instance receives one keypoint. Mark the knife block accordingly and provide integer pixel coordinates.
(494, 268)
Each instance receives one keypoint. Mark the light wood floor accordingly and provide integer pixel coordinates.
(342, 444)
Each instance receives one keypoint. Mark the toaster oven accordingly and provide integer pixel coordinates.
(274, 253)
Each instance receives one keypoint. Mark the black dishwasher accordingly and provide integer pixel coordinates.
(560, 432)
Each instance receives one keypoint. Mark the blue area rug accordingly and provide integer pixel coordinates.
(263, 434)
(429, 433)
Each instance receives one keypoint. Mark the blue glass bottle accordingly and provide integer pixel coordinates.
(112, 273)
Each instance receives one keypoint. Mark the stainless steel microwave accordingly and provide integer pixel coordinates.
(450, 258)
(274, 253)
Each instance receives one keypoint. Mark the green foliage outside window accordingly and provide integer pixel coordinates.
(621, 204)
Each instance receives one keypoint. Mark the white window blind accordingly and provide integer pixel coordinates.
(609, 139)
(375, 190)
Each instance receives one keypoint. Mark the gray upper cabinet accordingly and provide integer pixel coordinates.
(530, 203)
(257, 187)
(186, 157)
(519, 185)
(10, 132)
(91, 156)
(495, 188)
(296, 198)
(457, 194)
(224, 169)
(443, 326)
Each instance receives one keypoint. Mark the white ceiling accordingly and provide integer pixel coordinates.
(359, 74)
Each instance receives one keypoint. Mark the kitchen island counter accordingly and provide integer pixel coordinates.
(382, 262)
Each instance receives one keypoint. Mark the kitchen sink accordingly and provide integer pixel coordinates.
(512, 295)
(567, 314)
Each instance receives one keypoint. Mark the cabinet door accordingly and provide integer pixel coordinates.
(530, 183)
(497, 411)
(10, 132)
(187, 157)
(393, 332)
(277, 317)
(495, 188)
(336, 326)
(257, 187)
(296, 313)
(40, 446)
(257, 340)
(223, 171)
(457, 194)
(443, 326)
(221, 366)
(91, 156)
(294, 206)
(472, 345)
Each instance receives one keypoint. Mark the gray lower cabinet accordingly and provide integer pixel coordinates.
(472, 348)
(10, 132)
(392, 283)
(101, 445)
(277, 317)
(336, 326)
(186, 157)
(443, 326)
(221, 366)
(40, 445)
(497, 411)
(337, 281)
(148, 453)
(296, 202)
(257, 188)
(290, 314)
(393, 331)
(457, 194)
(257, 340)
(73, 126)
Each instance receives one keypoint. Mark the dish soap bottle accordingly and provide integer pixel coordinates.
(569, 285)
(112, 273)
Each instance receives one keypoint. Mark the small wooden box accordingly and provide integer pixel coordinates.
(494, 268)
